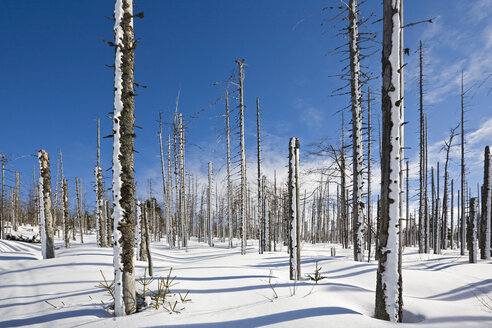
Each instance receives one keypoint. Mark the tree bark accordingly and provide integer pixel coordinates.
(388, 284)
(45, 204)
(294, 211)
(123, 163)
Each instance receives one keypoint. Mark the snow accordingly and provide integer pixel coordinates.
(228, 289)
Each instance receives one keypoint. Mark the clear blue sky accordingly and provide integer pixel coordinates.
(54, 83)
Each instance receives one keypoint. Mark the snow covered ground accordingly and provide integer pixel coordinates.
(231, 290)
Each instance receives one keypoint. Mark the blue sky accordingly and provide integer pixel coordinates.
(54, 83)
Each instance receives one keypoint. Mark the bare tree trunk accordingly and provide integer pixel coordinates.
(101, 231)
(426, 174)
(487, 202)
(262, 236)
(123, 164)
(2, 212)
(109, 223)
(184, 220)
(294, 211)
(66, 215)
(369, 159)
(229, 186)
(170, 197)
(472, 231)
(388, 286)
(437, 239)
(451, 240)
(164, 189)
(79, 211)
(463, 180)
(407, 212)
(147, 243)
(45, 204)
(357, 161)
(243, 157)
(210, 207)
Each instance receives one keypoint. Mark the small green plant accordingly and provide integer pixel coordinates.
(317, 275)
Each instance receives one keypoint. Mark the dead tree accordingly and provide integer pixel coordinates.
(182, 192)
(294, 223)
(451, 236)
(79, 210)
(447, 148)
(164, 189)
(210, 207)
(463, 180)
(262, 236)
(388, 285)
(66, 214)
(471, 231)
(422, 186)
(243, 157)
(357, 160)
(369, 159)
(487, 202)
(147, 238)
(123, 163)
(100, 220)
(170, 197)
(46, 217)
(229, 186)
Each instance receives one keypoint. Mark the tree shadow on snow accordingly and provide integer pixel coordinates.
(53, 317)
(467, 291)
(271, 319)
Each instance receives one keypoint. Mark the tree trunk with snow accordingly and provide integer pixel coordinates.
(487, 202)
(294, 211)
(100, 220)
(210, 207)
(357, 160)
(243, 204)
(471, 231)
(463, 179)
(388, 286)
(451, 236)
(164, 189)
(229, 186)
(170, 197)
(138, 229)
(79, 210)
(266, 216)
(262, 236)
(45, 205)
(145, 228)
(66, 214)
(109, 223)
(123, 164)
(369, 194)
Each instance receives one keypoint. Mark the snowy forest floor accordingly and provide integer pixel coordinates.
(228, 289)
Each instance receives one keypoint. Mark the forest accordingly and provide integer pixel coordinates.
(202, 179)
